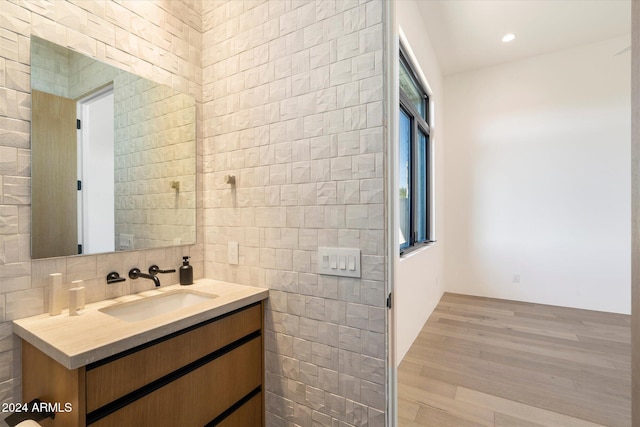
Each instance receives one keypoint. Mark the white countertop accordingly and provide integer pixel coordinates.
(75, 341)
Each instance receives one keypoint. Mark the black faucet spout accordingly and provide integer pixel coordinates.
(135, 273)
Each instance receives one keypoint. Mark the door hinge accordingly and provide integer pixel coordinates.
(389, 301)
(79, 185)
(78, 124)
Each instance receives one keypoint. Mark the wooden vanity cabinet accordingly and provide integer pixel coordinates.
(210, 374)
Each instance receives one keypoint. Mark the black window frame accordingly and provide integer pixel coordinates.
(418, 123)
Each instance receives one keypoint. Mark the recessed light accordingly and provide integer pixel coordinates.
(508, 37)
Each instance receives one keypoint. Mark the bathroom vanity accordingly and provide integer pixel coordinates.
(196, 361)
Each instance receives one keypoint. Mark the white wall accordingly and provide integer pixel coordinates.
(537, 177)
(418, 282)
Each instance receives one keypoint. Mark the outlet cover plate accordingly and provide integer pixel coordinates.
(233, 253)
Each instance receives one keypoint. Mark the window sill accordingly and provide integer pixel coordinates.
(411, 251)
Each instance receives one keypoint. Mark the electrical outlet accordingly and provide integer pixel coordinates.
(516, 278)
(233, 253)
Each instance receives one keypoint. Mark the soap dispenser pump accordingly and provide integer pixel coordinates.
(186, 272)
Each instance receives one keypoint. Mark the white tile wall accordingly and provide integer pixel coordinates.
(294, 90)
(155, 141)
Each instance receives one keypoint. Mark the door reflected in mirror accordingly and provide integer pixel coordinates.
(113, 158)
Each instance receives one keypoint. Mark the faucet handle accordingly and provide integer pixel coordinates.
(114, 277)
(134, 273)
(154, 269)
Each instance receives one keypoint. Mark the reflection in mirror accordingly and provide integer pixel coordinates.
(112, 158)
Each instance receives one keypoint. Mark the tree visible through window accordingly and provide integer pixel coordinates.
(414, 160)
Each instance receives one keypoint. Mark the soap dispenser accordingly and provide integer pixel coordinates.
(186, 272)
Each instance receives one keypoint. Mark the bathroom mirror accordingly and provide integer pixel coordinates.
(112, 158)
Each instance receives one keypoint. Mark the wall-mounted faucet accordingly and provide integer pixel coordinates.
(135, 273)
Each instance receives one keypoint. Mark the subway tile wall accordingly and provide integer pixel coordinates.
(159, 40)
(292, 101)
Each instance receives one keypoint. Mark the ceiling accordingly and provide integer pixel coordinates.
(466, 34)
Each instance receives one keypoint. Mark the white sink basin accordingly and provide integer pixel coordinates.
(156, 305)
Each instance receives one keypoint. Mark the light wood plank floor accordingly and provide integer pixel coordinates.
(487, 362)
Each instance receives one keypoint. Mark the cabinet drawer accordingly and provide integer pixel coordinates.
(249, 414)
(216, 386)
(106, 382)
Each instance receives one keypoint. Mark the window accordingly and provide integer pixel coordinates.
(414, 161)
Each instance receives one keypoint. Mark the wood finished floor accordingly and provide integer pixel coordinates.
(487, 362)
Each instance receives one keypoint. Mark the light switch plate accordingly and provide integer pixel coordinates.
(233, 253)
(339, 261)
